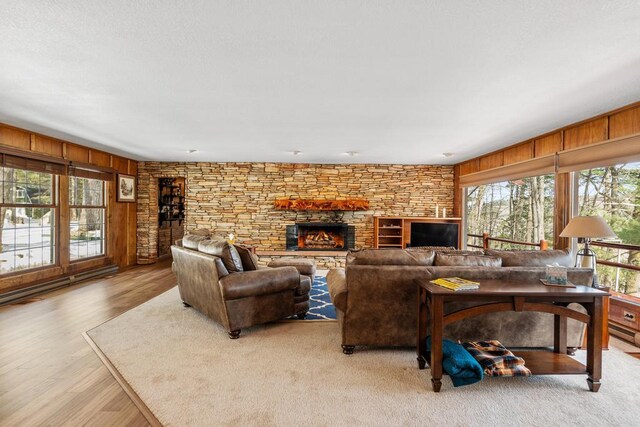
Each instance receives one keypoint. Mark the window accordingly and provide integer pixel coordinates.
(87, 206)
(614, 193)
(27, 219)
(520, 210)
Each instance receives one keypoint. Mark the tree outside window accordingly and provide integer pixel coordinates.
(614, 193)
(27, 219)
(520, 209)
(87, 203)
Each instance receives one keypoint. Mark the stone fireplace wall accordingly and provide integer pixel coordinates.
(239, 197)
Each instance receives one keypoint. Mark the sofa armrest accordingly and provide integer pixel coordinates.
(259, 282)
(337, 284)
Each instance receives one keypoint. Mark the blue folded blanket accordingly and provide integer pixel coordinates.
(458, 363)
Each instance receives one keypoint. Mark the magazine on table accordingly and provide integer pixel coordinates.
(456, 283)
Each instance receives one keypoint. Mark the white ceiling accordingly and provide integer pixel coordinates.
(249, 80)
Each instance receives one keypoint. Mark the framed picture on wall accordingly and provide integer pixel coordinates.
(126, 191)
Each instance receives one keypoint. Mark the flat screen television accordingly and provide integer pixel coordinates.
(434, 234)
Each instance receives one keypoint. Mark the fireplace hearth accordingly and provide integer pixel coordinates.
(320, 236)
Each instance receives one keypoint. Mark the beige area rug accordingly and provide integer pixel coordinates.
(188, 372)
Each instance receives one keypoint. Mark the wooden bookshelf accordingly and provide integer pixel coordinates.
(395, 231)
(388, 232)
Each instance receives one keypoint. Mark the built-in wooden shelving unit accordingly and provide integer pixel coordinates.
(170, 199)
(395, 232)
(388, 232)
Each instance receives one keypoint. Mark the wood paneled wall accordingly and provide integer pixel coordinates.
(614, 124)
(121, 217)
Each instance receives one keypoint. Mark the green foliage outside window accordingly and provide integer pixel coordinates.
(519, 210)
(614, 193)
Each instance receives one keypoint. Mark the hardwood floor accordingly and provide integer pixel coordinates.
(49, 375)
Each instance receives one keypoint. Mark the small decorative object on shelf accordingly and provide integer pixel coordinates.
(231, 238)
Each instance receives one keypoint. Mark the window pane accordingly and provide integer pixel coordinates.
(614, 193)
(86, 192)
(87, 232)
(28, 236)
(520, 210)
(26, 187)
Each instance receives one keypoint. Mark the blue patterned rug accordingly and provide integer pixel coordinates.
(320, 306)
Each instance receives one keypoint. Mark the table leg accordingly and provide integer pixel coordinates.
(594, 344)
(560, 334)
(436, 341)
(423, 319)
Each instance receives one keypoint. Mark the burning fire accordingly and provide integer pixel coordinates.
(320, 239)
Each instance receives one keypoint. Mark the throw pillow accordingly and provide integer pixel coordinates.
(226, 251)
(248, 258)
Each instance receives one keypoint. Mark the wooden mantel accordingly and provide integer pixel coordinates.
(322, 205)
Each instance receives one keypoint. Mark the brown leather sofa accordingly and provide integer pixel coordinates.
(224, 283)
(376, 296)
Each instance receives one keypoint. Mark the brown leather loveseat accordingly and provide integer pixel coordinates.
(376, 296)
(224, 282)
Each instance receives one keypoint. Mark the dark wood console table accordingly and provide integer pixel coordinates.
(496, 296)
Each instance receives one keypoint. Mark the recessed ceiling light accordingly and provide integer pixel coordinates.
(191, 151)
(447, 154)
(351, 153)
(296, 152)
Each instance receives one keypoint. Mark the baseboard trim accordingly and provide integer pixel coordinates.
(13, 296)
(144, 409)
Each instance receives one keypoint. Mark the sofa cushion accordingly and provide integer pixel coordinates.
(305, 266)
(248, 258)
(448, 259)
(260, 282)
(533, 258)
(191, 241)
(305, 286)
(226, 251)
(205, 232)
(390, 257)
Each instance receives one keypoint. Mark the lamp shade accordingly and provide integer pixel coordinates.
(588, 227)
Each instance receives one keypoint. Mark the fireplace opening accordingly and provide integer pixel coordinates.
(320, 236)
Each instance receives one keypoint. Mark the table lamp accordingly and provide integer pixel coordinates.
(587, 228)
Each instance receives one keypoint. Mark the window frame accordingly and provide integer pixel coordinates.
(104, 206)
(55, 207)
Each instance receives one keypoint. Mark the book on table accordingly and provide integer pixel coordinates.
(456, 283)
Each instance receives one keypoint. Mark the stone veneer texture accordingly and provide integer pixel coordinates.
(239, 197)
